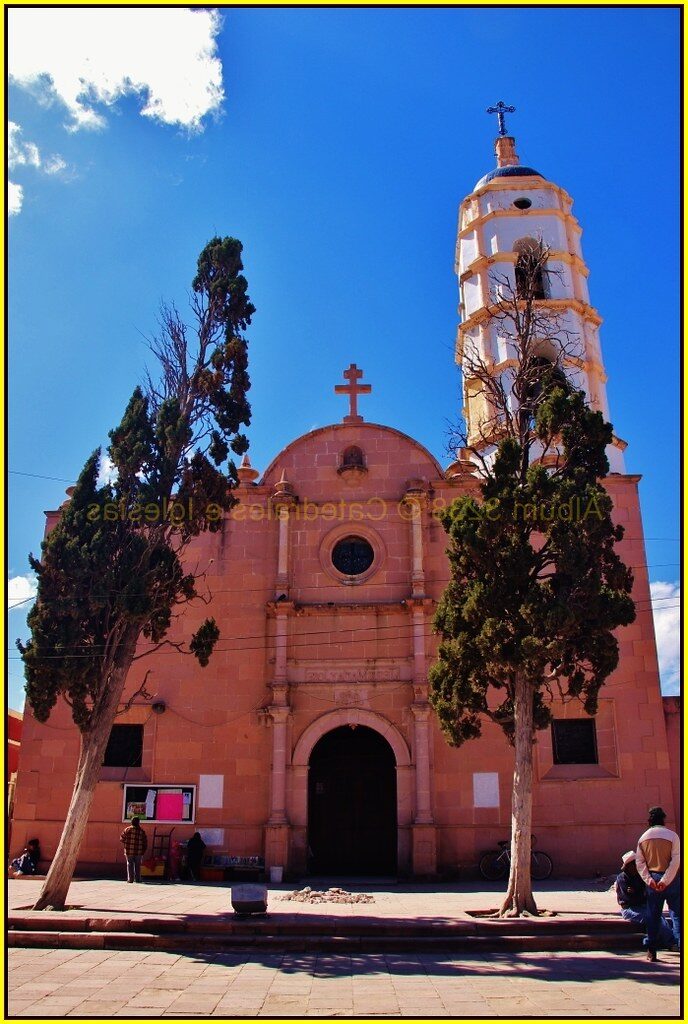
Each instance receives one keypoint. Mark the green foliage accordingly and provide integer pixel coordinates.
(536, 586)
(225, 381)
(111, 568)
(204, 641)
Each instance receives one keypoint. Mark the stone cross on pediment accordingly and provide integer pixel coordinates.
(353, 389)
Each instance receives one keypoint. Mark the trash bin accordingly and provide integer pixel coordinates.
(276, 874)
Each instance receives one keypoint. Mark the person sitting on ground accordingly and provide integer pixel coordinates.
(27, 862)
(631, 896)
(194, 856)
(658, 859)
(135, 841)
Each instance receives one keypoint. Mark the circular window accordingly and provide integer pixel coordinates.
(522, 204)
(352, 556)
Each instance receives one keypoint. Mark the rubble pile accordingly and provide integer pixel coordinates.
(333, 895)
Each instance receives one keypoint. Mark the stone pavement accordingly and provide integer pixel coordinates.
(73, 983)
(568, 897)
(128, 983)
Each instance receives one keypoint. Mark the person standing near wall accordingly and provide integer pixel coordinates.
(658, 859)
(195, 848)
(135, 842)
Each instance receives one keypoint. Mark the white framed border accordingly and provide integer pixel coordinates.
(160, 786)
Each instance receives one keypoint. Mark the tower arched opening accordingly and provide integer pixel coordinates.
(530, 270)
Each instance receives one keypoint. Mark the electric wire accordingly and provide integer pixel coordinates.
(291, 642)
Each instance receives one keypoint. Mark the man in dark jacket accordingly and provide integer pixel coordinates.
(195, 849)
(135, 841)
(631, 895)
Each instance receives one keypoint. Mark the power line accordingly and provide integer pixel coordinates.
(300, 587)
(642, 600)
(290, 642)
(40, 476)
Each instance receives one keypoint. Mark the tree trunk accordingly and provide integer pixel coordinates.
(93, 744)
(519, 896)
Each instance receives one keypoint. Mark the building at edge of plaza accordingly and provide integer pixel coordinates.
(308, 740)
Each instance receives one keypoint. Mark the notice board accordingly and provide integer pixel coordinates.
(169, 804)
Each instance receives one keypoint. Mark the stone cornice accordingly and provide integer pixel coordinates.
(348, 607)
(484, 262)
(548, 211)
(504, 185)
(486, 313)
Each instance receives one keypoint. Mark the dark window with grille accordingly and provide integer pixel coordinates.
(574, 741)
(125, 747)
(352, 556)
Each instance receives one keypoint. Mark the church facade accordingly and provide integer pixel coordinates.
(308, 740)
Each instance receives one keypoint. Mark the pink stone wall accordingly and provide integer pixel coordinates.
(672, 718)
(351, 651)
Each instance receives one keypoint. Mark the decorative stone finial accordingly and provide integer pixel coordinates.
(283, 493)
(69, 491)
(246, 473)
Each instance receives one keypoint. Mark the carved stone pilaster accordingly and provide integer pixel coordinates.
(279, 714)
(415, 501)
(418, 607)
(421, 745)
(283, 500)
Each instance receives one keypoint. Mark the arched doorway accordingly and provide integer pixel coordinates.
(352, 803)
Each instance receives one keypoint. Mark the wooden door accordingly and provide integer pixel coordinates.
(352, 804)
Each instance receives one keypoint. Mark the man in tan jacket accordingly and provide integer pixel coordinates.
(658, 859)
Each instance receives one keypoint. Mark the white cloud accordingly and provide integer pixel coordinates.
(89, 57)
(666, 610)
(21, 590)
(15, 194)
(107, 474)
(54, 164)
(26, 154)
(18, 151)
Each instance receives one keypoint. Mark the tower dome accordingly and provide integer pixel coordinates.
(510, 171)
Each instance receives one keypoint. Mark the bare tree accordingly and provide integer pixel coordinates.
(540, 349)
(529, 612)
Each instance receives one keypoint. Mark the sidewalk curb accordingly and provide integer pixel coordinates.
(320, 943)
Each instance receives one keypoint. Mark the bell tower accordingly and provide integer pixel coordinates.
(511, 209)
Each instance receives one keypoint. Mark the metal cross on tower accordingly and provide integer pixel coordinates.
(353, 389)
(500, 110)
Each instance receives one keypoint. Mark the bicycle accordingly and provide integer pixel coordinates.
(494, 865)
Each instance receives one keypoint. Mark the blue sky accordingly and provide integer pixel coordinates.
(342, 146)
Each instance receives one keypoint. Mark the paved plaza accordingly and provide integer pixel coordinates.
(570, 898)
(49, 982)
(73, 983)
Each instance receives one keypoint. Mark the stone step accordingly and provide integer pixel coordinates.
(364, 943)
(230, 924)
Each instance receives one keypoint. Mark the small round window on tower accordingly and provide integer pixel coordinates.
(522, 204)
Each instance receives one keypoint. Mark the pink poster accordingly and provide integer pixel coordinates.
(170, 805)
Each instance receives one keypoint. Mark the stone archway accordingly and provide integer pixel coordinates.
(297, 797)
